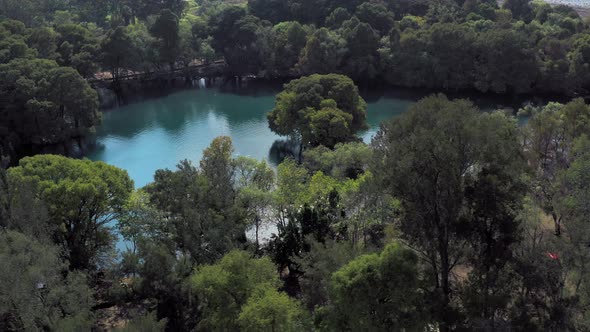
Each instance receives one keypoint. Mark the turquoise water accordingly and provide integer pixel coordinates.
(157, 133)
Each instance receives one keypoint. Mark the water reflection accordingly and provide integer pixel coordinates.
(157, 133)
(282, 149)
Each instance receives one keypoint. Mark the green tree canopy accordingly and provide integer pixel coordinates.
(362, 44)
(166, 32)
(45, 103)
(440, 159)
(377, 15)
(78, 47)
(118, 51)
(82, 197)
(378, 292)
(323, 53)
(318, 265)
(319, 110)
(36, 292)
(224, 288)
(549, 138)
(269, 310)
(200, 204)
(346, 160)
(254, 181)
(288, 39)
(235, 35)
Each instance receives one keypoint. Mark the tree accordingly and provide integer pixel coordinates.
(117, 52)
(236, 35)
(549, 138)
(45, 104)
(288, 39)
(434, 158)
(275, 11)
(450, 69)
(143, 43)
(376, 15)
(579, 56)
(165, 30)
(92, 11)
(224, 288)
(399, 60)
(443, 11)
(348, 160)
(36, 292)
(4, 200)
(323, 53)
(574, 183)
(218, 169)
(13, 44)
(190, 43)
(27, 11)
(254, 181)
(494, 199)
(505, 62)
(73, 96)
(378, 292)
(337, 17)
(44, 40)
(82, 198)
(362, 43)
(402, 8)
(555, 66)
(309, 11)
(319, 110)
(520, 9)
(540, 279)
(318, 265)
(149, 8)
(141, 221)
(164, 275)
(200, 204)
(78, 48)
(572, 203)
(269, 310)
(145, 323)
(24, 212)
(308, 209)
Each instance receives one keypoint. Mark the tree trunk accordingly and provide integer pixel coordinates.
(444, 278)
(257, 228)
(557, 222)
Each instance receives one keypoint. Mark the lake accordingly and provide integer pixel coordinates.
(157, 133)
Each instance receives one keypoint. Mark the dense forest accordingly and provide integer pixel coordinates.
(451, 219)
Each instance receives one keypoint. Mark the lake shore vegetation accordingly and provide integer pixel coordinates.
(450, 219)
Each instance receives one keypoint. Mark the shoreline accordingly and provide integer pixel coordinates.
(135, 93)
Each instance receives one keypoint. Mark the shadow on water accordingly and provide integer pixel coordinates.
(75, 148)
(484, 101)
(283, 149)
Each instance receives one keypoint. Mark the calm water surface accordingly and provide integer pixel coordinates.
(157, 133)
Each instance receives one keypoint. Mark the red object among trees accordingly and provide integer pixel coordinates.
(553, 256)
